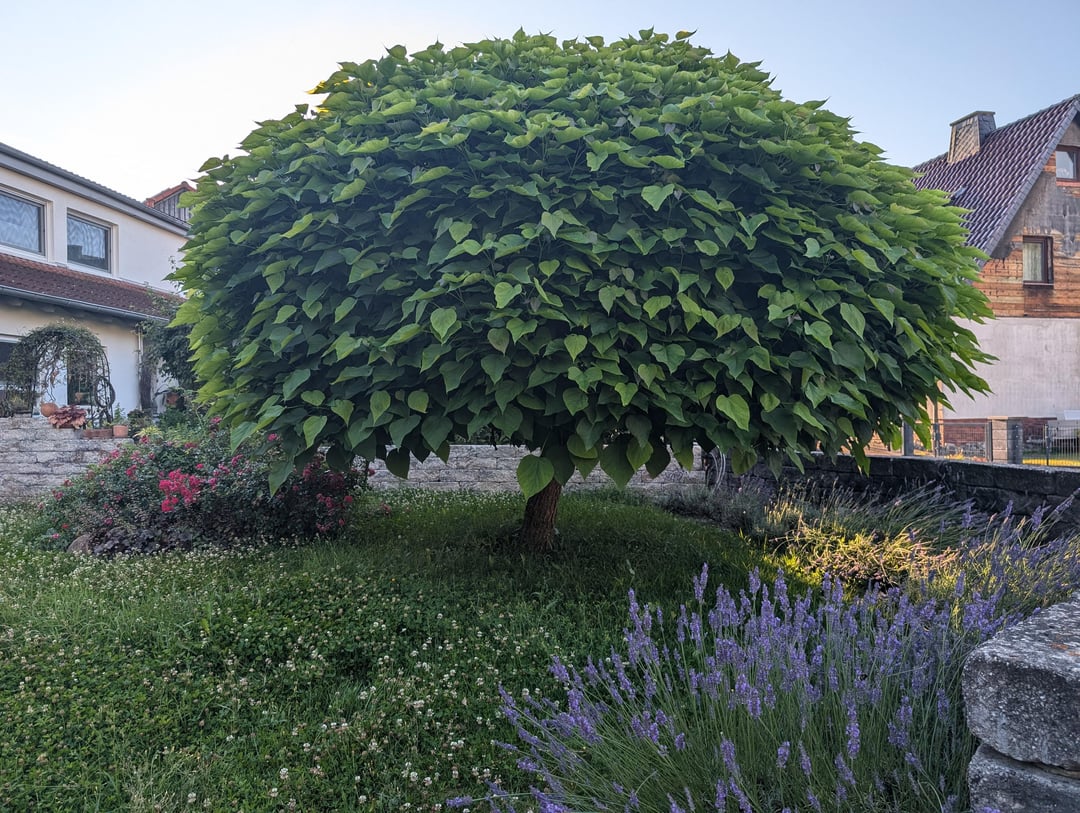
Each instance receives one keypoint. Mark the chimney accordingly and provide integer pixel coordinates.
(968, 134)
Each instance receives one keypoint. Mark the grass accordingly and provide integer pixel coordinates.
(364, 673)
(1055, 459)
(359, 674)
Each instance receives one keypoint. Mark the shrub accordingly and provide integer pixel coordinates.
(176, 489)
(769, 701)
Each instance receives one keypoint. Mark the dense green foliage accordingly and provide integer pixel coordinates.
(602, 251)
(168, 346)
(185, 487)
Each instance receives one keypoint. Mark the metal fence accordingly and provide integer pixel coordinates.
(1035, 441)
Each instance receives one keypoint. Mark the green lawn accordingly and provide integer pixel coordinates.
(363, 674)
(360, 674)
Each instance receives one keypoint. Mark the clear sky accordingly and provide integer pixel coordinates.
(136, 94)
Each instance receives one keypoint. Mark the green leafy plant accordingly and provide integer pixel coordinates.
(166, 345)
(187, 487)
(68, 417)
(138, 420)
(601, 252)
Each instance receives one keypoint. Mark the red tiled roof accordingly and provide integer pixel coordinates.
(995, 181)
(77, 289)
(154, 200)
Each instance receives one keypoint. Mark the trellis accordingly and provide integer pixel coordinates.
(55, 352)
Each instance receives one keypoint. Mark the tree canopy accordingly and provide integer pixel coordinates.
(603, 251)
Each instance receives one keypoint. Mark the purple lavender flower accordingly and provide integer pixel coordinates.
(782, 754)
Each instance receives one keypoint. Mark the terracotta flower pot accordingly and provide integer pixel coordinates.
(48, 408)
(119, 430)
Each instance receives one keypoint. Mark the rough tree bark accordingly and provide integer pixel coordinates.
(538, 530)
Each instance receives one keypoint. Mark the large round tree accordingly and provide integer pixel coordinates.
(602, 253)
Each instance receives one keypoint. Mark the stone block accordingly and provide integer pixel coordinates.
(1033, 480)
(973, 475)
(1022, 689)
(996, 781)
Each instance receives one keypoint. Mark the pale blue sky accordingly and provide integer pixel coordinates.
(137, 94)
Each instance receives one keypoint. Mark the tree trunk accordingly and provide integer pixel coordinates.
(538, 531)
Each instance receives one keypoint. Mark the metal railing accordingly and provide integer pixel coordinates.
(1057, 445)
(1034, 441)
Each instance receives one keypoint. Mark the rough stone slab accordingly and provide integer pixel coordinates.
(1036, 480)
(975, 475)
(1022, 689)
(996, 781)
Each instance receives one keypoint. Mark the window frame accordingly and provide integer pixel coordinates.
(107, 228)
(1047, 244)
(40, 205)
(1074, 155)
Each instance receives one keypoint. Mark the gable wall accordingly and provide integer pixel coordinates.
(1052, 209)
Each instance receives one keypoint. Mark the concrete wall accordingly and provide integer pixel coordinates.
(990, 485)
(36, 458)
(1037, 373)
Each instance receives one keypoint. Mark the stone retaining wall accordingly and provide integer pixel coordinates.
(36, 458)
(487, 468)
(1022, 700)
(991, 486)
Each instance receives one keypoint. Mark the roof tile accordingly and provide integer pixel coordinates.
(79, 288)
(995, 181)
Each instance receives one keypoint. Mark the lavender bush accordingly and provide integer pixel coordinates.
(770, 701)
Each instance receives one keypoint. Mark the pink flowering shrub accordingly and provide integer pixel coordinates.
(190, 488)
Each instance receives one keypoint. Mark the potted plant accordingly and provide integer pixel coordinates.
(68, 417)
(48, 408)
(119, 425)
(138, 420)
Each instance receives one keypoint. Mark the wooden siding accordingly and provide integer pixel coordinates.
(1052, 210)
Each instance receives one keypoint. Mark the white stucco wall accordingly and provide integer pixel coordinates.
(1037, 374)
(144, 247)
(143, 251)
(117, 337)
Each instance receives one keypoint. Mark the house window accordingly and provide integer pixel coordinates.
(88, 243)
(1066, 160)
(1038, 264)
(21, 223)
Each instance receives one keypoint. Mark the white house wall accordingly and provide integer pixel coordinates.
(1037, 374)
(117, 337)
(141, 252)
